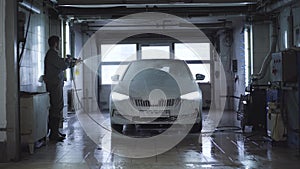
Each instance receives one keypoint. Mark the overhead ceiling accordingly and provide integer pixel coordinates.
(111, 9)
(154, 3)
(205, 14)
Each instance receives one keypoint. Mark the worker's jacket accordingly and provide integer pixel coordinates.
(54, 67)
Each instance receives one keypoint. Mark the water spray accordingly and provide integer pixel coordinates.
(84, 61)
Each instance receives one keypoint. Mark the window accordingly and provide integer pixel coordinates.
(155, 52)
(200, 69)
(114, 58)
(192, 51)
(118, 53)
(109, 70)
(197, 55)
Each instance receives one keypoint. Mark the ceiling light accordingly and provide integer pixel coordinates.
(30, 7)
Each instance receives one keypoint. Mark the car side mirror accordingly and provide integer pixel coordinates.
(115, 78)
(200, 77)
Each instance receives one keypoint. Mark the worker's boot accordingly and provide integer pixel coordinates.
(54, 134)
(62, 134)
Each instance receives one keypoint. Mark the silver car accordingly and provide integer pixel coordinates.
(156, 91)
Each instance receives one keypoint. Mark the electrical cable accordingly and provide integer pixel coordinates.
(258, 134)
(227, 128)
(27, 29)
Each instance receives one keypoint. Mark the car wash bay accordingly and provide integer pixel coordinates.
(250, 111)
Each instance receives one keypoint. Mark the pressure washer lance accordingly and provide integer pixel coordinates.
(73, 61)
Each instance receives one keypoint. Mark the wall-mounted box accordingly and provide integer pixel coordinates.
(284, 66)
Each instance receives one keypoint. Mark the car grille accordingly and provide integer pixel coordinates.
(159, 119)
(160, 103)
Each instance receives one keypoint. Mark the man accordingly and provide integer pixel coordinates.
(54, 67)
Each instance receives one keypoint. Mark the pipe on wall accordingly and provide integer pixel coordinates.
(290, 20)
(261, 74)
(277, 5)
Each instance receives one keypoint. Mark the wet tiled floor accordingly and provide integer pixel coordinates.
(224, 148)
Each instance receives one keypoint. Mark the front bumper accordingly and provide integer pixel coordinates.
(187, 112)
(181, 119)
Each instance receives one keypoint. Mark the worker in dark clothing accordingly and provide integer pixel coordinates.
(54, 67)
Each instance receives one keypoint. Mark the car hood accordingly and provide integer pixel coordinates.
(149, 81)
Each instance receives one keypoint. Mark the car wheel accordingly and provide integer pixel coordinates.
(117, 127)
(197, 127)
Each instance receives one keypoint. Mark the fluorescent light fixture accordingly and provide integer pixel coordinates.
(166, 5)
(285, 39)
(246, 51)
(251, 50)
(30, 7)
(54, 1)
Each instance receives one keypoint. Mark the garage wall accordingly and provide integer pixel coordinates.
(261, 47)
(284, 32)
(41, 26)
(238, 54)
(78, 77)
(296, 25)
(232, 48)
(32, 63)
(84, 74)
(288, 38)
(10, 149)
(78, 40)
(226, 42)
(85, 78)
(287, 31)
(2, 73)
(35, 49)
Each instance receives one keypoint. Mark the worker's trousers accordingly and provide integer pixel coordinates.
(56, 106)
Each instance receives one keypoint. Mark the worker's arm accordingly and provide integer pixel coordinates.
(60, 63)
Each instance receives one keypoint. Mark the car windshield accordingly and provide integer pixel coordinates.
(176, 68)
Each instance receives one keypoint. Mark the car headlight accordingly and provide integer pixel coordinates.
(191, 96)
(119, 96)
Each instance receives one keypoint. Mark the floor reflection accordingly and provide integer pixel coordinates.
(220, 149)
